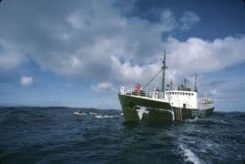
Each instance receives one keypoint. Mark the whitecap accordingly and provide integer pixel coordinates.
(223, 122)
(92, 113)
(98, 116)
(192, 120)
(189, 155)
(103, 116)
(109, 116)
(80, 113)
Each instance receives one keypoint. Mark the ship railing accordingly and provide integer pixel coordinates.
(149, 94)
(205, 102)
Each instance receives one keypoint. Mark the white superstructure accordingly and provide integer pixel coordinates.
(188, 99)
(176, 98)
(180, 99)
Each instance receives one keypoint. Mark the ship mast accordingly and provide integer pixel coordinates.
(164, 67)
(195, 83)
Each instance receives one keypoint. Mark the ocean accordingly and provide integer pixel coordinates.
(76, 135)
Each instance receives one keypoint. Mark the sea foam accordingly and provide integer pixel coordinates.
(80, 113)
(189, 155)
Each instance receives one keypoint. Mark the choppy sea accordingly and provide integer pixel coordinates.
(72, 135)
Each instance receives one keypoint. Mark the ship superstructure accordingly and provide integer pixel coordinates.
(167, 104)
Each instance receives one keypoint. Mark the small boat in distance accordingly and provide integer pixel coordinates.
(165, 105)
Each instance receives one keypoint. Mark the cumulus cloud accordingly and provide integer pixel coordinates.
(10, 56)
(86, 39)
(196, 55)
(96, 40)
(104, 86)
(26, 81)
(188, 19)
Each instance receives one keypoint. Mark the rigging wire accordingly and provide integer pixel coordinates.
(152, 78)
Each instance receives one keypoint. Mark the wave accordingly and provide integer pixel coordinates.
(95, 115)
(104, 116)
(80, 113)
(189, 155)
(221, 121)
(64, 135)
(92, 113)
(192, 120)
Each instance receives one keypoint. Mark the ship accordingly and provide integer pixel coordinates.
(169, 104)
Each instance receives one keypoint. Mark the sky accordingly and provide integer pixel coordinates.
(79, 53)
